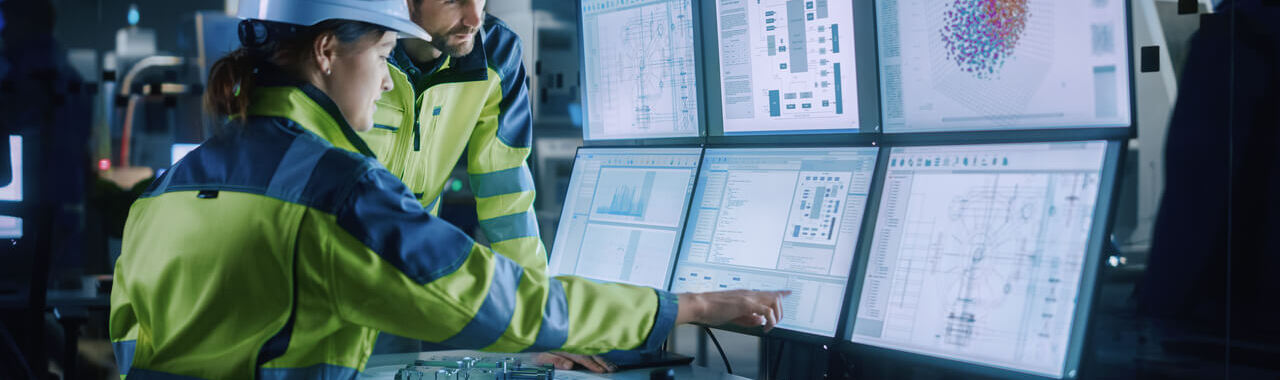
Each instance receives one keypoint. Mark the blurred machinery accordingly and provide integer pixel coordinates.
(152, 99)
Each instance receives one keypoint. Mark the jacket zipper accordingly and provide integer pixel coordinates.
(417, 136)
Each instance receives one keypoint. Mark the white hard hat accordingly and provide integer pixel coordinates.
(392, 14)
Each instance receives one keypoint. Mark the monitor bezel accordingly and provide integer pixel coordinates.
(1093, 263)
(699, 85)
(867, 91)
(1128, 131)
(780, 332)
(697, 171)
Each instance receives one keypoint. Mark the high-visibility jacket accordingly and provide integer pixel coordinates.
(478, 103)
(279, 249)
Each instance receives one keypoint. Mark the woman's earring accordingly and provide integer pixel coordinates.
(328, 71)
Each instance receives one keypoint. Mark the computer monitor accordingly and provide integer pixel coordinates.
(778, 219)
(976, 65)
(11, 227)
(13, 191)
(786, 66)
(985, 255)
(178, 151)
(624, 213)
(639, 69)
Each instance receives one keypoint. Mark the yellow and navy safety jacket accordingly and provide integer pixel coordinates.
(478, 103)
(280, 248)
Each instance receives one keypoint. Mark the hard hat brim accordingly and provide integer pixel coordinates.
(392, 14)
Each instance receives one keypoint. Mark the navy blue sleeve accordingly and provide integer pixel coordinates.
(505, 52)
(381, 212)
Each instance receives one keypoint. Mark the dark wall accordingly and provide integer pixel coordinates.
(92, 24)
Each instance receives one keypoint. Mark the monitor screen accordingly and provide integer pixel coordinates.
(11, 227)
(979, 251)
(778, 219)
(640, 75)
(178, 151)
(623, 214)
(787, 66)
(13, 191)
(965, 65)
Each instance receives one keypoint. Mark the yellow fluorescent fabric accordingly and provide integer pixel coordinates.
(477, 104)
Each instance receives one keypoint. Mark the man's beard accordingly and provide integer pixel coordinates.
(459, 50)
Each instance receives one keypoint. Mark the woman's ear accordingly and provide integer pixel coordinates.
(325, 50)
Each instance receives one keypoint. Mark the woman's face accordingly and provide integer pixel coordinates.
(356, 76)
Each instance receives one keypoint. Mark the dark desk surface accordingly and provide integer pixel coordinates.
(385, 366)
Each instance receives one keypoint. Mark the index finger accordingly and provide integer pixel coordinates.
(777, 303)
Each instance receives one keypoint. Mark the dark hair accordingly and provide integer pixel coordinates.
(232, 78)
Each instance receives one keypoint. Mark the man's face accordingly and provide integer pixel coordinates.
(452, 24)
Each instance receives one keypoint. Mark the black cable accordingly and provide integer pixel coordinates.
(778, 361)
(724, 357)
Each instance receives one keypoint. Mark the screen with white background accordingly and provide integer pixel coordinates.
(979, 251)
(639, 74)
(623, 214)
(778, 219)
(953, 65)
(787, 65)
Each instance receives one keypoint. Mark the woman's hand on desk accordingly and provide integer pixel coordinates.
(748, 308)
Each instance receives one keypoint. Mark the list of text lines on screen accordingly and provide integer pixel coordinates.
(640, 77)
(963, 65)
(978, 252)
(778, 219)
(623, 214)
(787, 66)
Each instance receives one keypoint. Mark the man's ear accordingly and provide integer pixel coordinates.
(413, 9)
(325, 49)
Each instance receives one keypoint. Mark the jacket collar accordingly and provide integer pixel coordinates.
(472, 67)
(279, 95)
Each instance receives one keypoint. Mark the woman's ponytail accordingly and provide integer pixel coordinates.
(231, 80)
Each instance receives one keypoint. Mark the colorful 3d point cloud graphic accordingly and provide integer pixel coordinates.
(981, 35)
